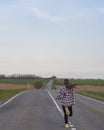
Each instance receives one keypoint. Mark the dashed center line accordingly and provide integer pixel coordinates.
(73, 128)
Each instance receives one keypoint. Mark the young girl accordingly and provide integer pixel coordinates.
(67, 97)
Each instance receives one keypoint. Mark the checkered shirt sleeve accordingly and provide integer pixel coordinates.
(66, 96)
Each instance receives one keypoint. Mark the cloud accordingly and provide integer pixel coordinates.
(45, 15)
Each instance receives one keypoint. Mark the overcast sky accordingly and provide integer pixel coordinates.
(64, 38)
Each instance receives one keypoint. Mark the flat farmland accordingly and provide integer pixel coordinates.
(8, 90)
(10, 87)
(89, 88)
(21, 83)
(5, 86)
(85, 88)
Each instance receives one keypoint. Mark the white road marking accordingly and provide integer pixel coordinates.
(73, 128)
(55, 103)
(11, 99)
(59, 109)
(71, 125)
(69, 122)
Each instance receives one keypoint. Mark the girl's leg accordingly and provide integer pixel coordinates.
(71, 110)
(65, 116)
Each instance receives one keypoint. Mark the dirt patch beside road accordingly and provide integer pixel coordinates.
(4, 86)
(90, 88)
(86, 88)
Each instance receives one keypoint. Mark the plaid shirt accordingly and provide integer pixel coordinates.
(66, 96)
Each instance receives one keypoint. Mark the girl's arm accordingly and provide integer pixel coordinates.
(60, 94)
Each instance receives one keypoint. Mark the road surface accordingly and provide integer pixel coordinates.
(36, 110)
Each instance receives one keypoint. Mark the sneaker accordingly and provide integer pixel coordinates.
(66, 125)
(67, 111)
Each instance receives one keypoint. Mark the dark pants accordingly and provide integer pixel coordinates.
(65, 115)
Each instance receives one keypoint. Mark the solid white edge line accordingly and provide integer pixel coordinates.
(59, 109)
(12, 99)
(90, 98)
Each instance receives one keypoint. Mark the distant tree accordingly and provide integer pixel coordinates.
(53, 77)
(23, 76)
(2, 76)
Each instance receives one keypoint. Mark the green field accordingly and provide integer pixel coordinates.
(37, 83)
(94, 82)
(22, 81)
(96, 95)
(8, 93)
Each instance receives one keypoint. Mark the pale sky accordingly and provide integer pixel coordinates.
(64, 38)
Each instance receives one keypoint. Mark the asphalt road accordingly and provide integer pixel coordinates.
(36, 110)
(88, 114)
(33, 110)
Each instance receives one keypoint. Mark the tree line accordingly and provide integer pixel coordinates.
(19, 76)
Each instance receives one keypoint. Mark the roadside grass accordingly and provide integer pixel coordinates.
(96, 95)
(40, 83)
(37, 83)
(94, 82)
(18, 81)
(9, 93)
(24, 81)
(45, 81)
